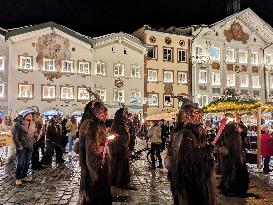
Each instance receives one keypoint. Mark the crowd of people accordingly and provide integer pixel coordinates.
(105, 147)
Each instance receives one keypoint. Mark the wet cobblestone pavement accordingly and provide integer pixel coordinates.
(60, 185)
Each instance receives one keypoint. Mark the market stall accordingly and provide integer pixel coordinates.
(236, 105)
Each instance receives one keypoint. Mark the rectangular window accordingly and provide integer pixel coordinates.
(67, 66)
(84, 67)
(153, 99)
(25, 63)
(182, 77)
(49, 65)
(2, 63)
(102, 94)
(152, 52)
(202, 76)
(168, 101)
(255, 81)
(216, 80)
(119, 69)
(244, 81)
(168, 77)
(83, 94)
(2, 90)
(268, 59)
(118, 95)
(215, 53)
(67, 93)
(203, 100)
(230, 55)
(254, 58)
(25, 91)
(182, 56)
(49, 91)
(135, 71)
(152, 75)
(242, 56)
(136, 94)
(198, 52)
(100, 68)
(230, 79)
(168, 55)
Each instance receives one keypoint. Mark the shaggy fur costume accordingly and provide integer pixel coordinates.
(192, 166)
(119, 156)
(95, 187)
(235, 178)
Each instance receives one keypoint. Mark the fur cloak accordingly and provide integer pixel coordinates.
(192, 167)
(235, 177)
(95, 188)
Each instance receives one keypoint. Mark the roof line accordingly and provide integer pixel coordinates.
(26, 29)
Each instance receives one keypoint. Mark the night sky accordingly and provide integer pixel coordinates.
(99, 17)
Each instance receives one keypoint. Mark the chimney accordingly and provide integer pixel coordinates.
(233, 6)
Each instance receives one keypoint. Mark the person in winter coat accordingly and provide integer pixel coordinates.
(118, 150)
(23, 137)
(71, 128)
(164, 134)
(154, 134)
(53, 142)
(266, 147)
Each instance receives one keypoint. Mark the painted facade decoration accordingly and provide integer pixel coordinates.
(236, 33)
(52, 46)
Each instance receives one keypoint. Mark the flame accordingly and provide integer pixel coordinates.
(111, 137)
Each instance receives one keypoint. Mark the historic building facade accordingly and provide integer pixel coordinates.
(50, 66)
(119, 71)
(4, 71)
(166, 69)
(233, 53)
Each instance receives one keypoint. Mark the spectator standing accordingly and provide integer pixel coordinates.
(23, 137)
(164, 134)
(71, 128)
(266, 148)
(154, 134)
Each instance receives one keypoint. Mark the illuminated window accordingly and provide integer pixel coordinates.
(242, 56)
(67, 66)
(214, 53)
(119, 69)
(25, 63)
(230, 79)
(49, 65)
(255, 81)
(254, 58)
(168, 100)
(102, 94)
(182, 77)
(216, 80)
(230, 55)
(152, 75)
(244, 81)
(84, 67)
(25, 91)
(83, 94)
(2, 90)
(67, 93)
(2, 63)
(100, 68)
(202, 76)
(49, 91)
(135, 71)
(153, 99)
(118, 95)
(168, 77)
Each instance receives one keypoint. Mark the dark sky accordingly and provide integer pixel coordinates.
(98, 17)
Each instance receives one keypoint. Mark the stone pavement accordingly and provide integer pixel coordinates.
(60, 185)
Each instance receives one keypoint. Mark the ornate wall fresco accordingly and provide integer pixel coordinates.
(236, 33)
(52, 46)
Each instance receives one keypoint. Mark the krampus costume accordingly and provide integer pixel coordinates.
(119, 156)
(235, 178)
(95, 185)
(191, 161)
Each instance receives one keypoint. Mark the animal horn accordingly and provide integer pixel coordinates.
(91, 92)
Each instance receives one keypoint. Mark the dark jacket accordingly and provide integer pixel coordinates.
(23, 134)
(54, 133)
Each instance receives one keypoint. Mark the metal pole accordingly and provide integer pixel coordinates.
(259, 117)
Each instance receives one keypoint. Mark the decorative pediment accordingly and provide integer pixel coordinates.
(236, 33)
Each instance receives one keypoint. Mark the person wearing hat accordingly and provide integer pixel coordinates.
(266, 147)
(23, 137)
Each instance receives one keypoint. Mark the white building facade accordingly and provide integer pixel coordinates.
(49, 67)
(232, 53)
(119, 71)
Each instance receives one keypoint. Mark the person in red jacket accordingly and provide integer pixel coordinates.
(266, 147)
